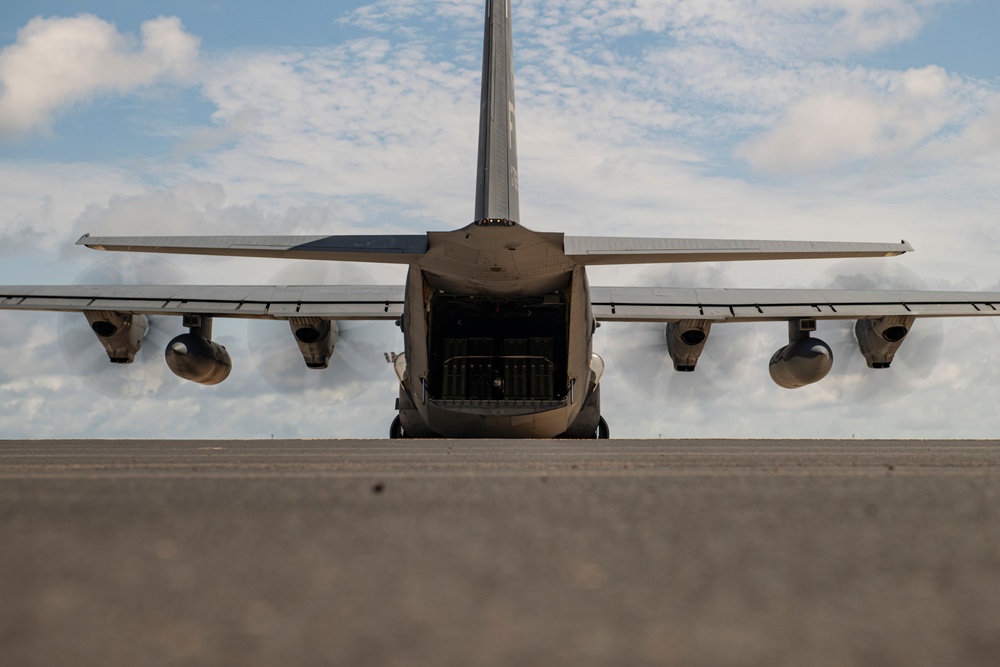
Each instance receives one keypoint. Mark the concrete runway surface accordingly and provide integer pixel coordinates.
(499, 553)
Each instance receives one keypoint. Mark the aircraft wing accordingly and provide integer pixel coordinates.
(379, 302)
(353, 302)
(656, 304)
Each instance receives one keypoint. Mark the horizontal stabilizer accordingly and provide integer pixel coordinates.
(597, 250)
(382, 249)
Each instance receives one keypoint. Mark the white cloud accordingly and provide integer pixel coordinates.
(386, 15)
(832, 127)
(777, 28)
(819, 132)
(863, 25)
(983, 135)
(979, 139)
(367, 118)
(40, 201)
(57, 62)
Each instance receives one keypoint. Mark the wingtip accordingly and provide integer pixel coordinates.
(86, 240)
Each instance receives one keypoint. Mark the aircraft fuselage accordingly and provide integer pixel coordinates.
(498, 333)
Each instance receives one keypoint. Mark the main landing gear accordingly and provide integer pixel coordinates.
(603, 431)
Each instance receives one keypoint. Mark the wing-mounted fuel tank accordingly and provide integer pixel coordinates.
(120, 334)
(685, 343)
(879, 339)
(804, 361)
(316, 339)
(195, 356)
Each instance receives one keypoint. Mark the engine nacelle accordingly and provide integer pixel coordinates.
(195, 358)
(802, 362)
(316, 339)
(120, 334)
(685, 342)
(879, 339)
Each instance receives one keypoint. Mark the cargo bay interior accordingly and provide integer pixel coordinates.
(489, 349)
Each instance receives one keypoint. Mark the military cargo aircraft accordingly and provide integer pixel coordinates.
(497, 319)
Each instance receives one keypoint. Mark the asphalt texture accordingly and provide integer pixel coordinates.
(499, 553)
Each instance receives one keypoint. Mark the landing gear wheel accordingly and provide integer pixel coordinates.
(396, 430)
(603, 432)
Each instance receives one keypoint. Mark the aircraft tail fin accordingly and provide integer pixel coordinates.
(497, 180)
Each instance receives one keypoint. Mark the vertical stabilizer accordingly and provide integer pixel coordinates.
(497, 181)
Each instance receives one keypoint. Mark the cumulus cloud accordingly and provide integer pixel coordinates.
(983, 135)
(980, 138)
(873, 22)
(370, 118)
(385, 15)
(829, 128)
(775, 27)
(40, 201)
(57, 62)
(860, 25)
(199, 207)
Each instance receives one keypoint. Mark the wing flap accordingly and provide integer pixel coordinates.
(653, 304)
(355, 302)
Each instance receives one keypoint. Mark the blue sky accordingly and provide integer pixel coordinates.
(960, 37)
(813, 119)
(222, 24)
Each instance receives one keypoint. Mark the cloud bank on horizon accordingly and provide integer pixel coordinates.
(809, 119)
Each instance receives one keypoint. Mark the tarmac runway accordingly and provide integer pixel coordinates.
(499, 553)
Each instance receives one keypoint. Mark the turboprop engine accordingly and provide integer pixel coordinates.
(120, 334)
(315, 338)
(685, 342)
(804, 361)
(879, 339)
(194, 356)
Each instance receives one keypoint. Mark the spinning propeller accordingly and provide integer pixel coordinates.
(638, 351)
(147, 375)
(359, 361)
(851, 380)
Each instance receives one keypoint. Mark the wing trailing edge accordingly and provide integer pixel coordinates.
(663, 304)
(339, 302)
